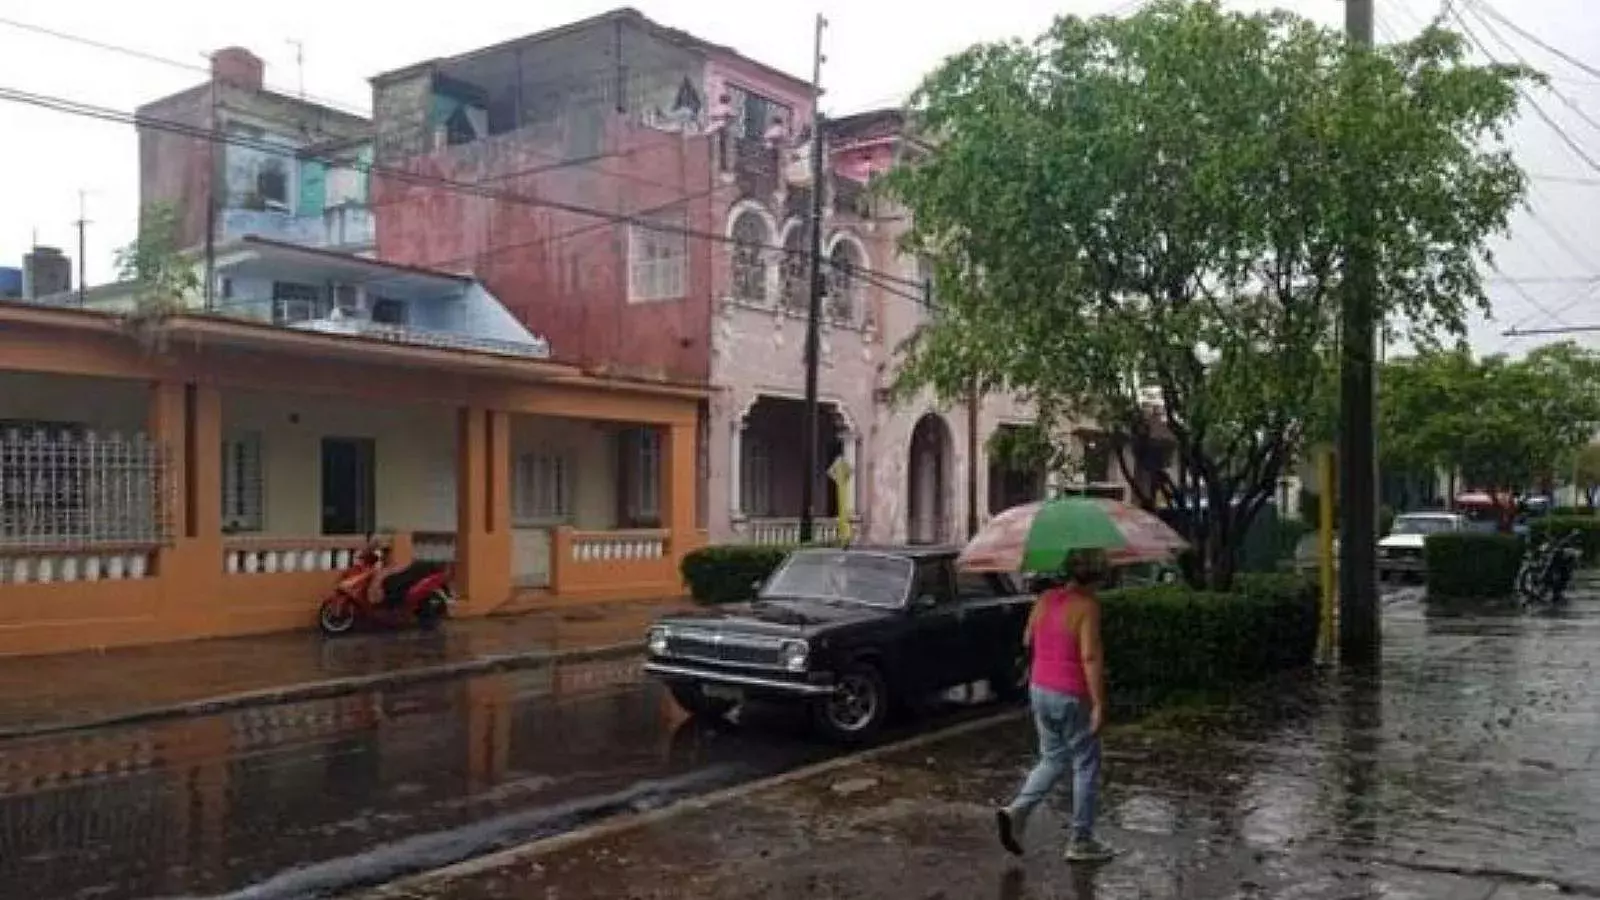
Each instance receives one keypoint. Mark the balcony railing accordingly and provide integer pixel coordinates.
(786, 532)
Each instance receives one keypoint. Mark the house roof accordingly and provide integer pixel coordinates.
(889, 121)
(626, 14)
(285, 249)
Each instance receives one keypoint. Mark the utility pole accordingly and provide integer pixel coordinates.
(1359, 639)
(808, 431)
(299, 63)
(83, 227)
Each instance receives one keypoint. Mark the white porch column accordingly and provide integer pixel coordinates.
(736, 468)
(852, 443)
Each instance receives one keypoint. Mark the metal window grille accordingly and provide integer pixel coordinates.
(750, 240)
(243, 492)
(63, 486)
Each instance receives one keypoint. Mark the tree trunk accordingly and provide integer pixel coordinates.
(1219, 562)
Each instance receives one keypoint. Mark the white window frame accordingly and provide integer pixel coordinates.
(541, 488)
(658, 259)
(243, 483)
(644, 475)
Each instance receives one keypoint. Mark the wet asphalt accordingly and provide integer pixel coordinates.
(323, 797)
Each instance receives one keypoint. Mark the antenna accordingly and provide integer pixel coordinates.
(299, 63)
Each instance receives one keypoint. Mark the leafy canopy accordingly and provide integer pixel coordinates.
(1158, 206)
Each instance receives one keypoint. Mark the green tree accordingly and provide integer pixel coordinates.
(1505, 425)
(1160, 204)
(1585, 468)
(165, 279)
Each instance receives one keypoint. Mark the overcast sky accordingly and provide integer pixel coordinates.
(876, 53)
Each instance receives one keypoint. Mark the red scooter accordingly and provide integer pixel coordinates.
(421, 592)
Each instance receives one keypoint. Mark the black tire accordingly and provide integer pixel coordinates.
(857, 709)
(336, 617)
(691, 698)
(1011, 684)
(432, 610)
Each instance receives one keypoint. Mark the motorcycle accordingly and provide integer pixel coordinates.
(421, 592)
(1547, 569)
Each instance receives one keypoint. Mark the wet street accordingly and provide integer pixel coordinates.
(325, 796)
(1465, 767)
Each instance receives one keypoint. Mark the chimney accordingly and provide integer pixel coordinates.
(238, 67)
(45, 271)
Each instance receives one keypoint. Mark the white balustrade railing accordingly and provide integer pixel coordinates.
(609, 546)
(258, 557)
(21, 566)
(785, 532)
(433, 546)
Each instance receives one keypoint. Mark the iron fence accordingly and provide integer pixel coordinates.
(62, 487)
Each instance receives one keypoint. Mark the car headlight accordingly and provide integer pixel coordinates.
(657, 641)
(795, 655)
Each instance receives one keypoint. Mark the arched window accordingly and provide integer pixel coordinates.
(845, 263)
(796, 273)
(751, 239)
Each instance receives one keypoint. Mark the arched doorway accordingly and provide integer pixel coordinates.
(928, 481)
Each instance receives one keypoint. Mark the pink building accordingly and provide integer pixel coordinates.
(705, 150)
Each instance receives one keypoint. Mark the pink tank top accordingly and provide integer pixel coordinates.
(1057, 663)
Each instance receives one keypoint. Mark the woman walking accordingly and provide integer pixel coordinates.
(1069, 704)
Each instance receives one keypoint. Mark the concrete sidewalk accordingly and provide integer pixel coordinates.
(1464, 768)
(68, 692)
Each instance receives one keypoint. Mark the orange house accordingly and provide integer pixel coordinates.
(208, 476)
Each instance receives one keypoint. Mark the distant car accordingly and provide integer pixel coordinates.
(849, 633)
(1400, 552)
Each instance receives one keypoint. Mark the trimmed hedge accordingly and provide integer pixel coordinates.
(1471, 564)
(1175, 637)
(723, 573)
(1589, 526)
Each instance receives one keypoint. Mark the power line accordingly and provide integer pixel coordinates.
(160, 60)
(1484, 8)
(1483, 48)
(402, 175)
(1506, 43)
(71, 107)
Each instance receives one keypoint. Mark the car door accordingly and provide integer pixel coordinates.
(993, 614)
(936, 653)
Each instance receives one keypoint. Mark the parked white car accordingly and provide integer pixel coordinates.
(1400, 552)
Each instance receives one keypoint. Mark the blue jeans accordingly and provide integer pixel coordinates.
(1062, 721)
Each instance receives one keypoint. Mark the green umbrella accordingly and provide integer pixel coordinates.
(1064, 525)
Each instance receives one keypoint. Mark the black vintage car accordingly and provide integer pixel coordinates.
(851, 633)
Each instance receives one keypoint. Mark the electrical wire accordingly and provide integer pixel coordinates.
(1483, 8)
(405, 176)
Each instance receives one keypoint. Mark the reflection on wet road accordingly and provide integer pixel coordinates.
(300, 799)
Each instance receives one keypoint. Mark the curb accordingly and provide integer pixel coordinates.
(402, 887)
(332, 687)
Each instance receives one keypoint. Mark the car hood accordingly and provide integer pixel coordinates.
(783, 617)
(1411, 541)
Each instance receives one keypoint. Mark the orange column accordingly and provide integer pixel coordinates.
(678, 485)
(186, 419)
(483, 509)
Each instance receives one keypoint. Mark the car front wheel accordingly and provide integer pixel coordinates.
(857, 708)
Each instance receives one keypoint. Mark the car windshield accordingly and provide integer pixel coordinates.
(872, 579)
(1422, 525)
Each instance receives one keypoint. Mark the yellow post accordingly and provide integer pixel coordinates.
(1326, 488)
(842, 476)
